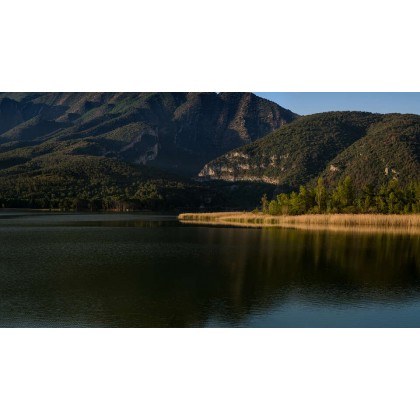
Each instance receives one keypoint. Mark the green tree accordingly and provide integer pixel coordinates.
(300, 203)
(366, 200)
(320, 195)
(273, 208)
(264, 203)
(343, 196)
(283, 203)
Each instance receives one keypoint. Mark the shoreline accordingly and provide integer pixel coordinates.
(395, 223)
(29, 210)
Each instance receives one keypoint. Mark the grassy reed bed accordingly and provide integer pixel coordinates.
(315, 221)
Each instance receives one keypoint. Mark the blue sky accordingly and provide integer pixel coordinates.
(313, 102)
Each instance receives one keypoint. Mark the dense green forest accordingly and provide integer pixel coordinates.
(77, 182)
(90, 183)
(389, 198)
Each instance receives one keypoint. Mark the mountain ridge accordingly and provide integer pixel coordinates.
(182, 131)
(326, 144)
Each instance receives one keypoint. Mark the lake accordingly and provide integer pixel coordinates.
(141, 270)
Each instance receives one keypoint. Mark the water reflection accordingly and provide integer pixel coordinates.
(142, 271)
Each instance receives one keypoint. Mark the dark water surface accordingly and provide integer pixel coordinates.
(130, 270)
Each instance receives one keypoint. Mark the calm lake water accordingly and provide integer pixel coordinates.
(130, 270)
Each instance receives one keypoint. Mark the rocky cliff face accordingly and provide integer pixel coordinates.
(237, 166)
(178, 132)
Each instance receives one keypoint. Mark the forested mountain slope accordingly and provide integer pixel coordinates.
(370, 148)
(117, 147)
(179, 132)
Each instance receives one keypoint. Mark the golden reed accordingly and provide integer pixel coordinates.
(340, 222)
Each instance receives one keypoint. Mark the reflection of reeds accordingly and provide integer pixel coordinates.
(395, 223)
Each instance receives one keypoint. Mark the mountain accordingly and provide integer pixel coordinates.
(155, 150)
(64, 147)
(390, 149)
(370, 148)
(179, 132)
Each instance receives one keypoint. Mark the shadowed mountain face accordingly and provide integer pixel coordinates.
(113, 150)
(179, 132)
(370, 148)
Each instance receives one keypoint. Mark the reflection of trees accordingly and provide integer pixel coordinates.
(186, 276)
(228, 273)
(261, 267)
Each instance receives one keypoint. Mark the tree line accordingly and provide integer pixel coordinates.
(84, 195)
(390, 198)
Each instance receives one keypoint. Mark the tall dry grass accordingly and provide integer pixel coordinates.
(341, 221)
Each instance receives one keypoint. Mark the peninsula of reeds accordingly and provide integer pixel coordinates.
(401, 223)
